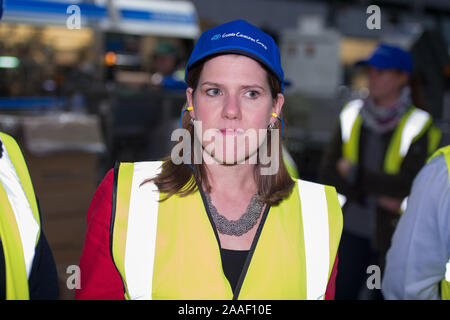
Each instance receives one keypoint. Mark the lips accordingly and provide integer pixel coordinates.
(231, 132)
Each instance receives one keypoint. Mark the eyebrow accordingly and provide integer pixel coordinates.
(244, 87)
(254, 86)
(210, 83)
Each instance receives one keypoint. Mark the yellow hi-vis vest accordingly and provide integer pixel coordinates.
(289, 163)
(411, 127)
(413, 124)
(445, 283)
(19, 219)
(169, 249)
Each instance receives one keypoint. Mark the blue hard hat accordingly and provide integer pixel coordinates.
(390, 57)
(239, 37)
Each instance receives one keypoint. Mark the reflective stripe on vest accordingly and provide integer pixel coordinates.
(174, 254)
(342, 199)
(315, 217)
(134, 210)
(411, 127)
(403, 205)
(445, 283)
(19, 219)
(351, 122)
(447, 271)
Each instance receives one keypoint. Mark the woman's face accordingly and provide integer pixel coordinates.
(234, 104)
(386, 84)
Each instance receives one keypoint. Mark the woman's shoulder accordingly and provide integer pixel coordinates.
(101, 280)
(105, 187)
(313, 185)
(102, 200)
(313, 191)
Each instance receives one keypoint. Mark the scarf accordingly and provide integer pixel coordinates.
(382, 119)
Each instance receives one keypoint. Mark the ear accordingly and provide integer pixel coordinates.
(278, 104)
(190, 101)
(405, 80)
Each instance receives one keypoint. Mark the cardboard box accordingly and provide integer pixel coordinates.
(62, 132)
(64, 183)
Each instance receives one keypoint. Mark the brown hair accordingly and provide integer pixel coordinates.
(182, 180)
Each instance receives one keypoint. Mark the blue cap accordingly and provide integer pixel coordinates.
(390, 57)
(239, 37)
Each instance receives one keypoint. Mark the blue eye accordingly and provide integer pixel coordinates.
(213, 92)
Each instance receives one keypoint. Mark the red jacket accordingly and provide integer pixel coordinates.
(99, 276)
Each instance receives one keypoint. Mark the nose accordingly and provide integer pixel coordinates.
(231, 108)
(373, 73)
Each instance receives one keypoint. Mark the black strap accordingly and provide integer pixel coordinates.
(205, 205)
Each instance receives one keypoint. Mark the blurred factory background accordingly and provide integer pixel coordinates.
(80, 97)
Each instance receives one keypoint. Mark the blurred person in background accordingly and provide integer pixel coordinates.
(418, 262)
(221, 229)
(27, 267)
(167, 72)
(379, 146)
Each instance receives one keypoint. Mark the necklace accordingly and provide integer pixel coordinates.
(240, 226)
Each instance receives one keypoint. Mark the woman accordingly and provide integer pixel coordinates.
(229, 223)
(378, 147)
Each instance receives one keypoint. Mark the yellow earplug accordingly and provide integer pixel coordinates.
(190, 108)
(274, 115)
